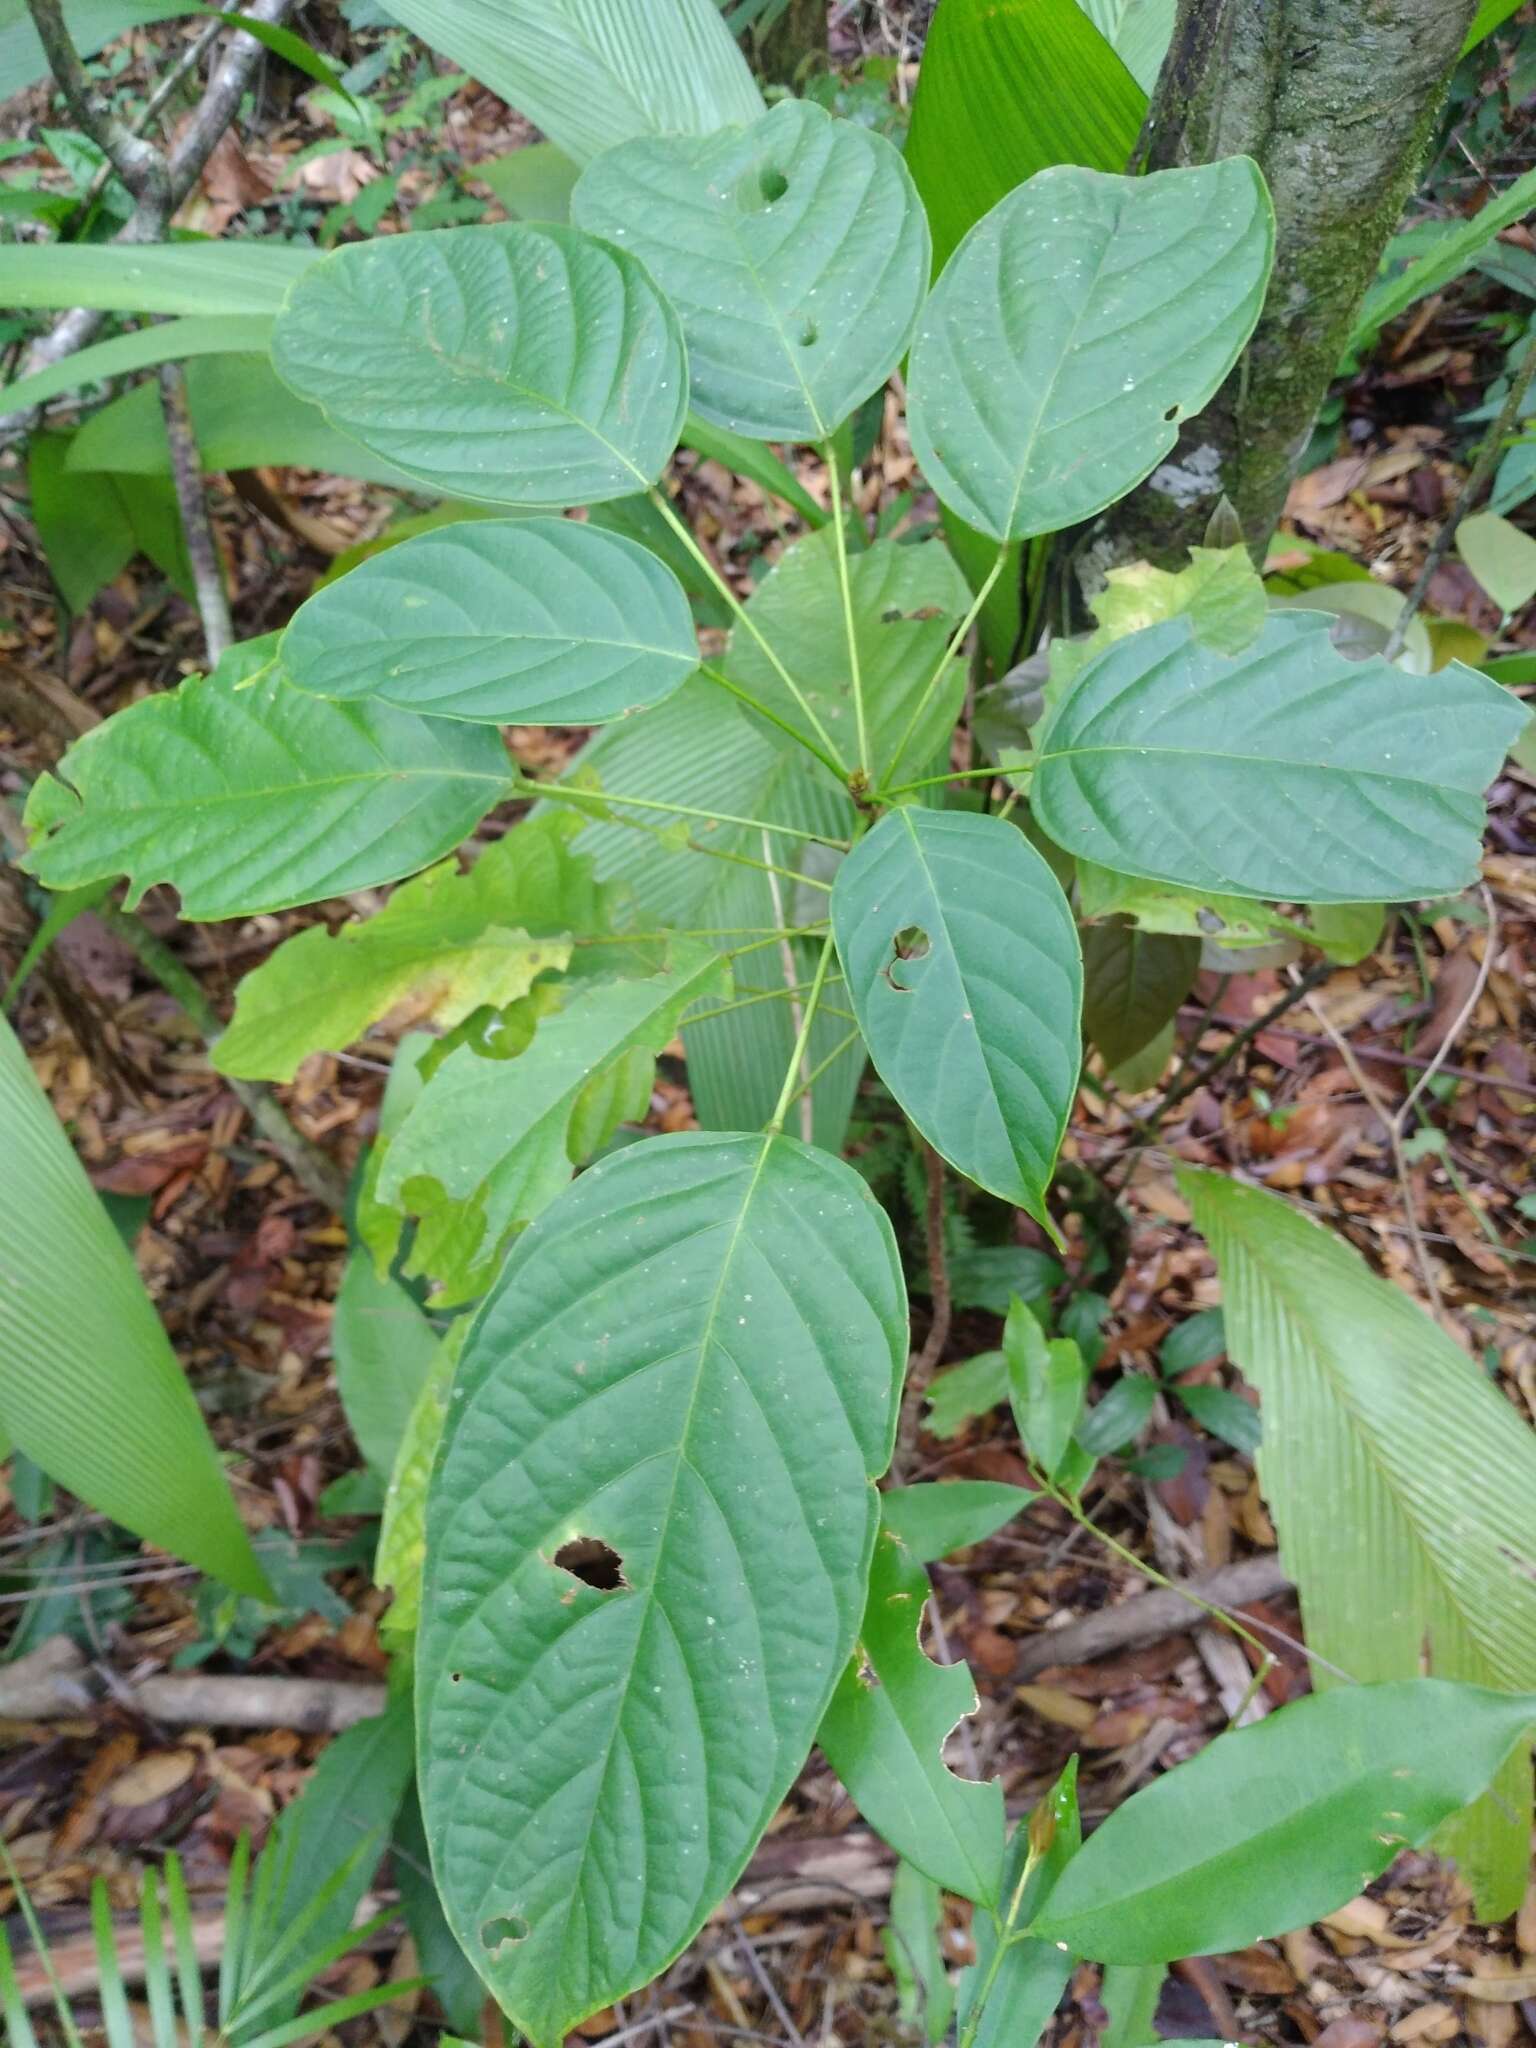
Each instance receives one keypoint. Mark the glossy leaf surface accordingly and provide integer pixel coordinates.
(1073, 328)
(1286, 771)
(795, 251)
(691, 1359)
(517, 364)
(504, 621)
(963, 964)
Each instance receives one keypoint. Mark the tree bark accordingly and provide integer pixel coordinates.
(1336, 100)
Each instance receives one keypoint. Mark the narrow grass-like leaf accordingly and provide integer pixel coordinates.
(109, 1972)
(963, 964)
(691, 1362)
(1071, 331)
(171, 341)
(247, 795)
(516, 364)
(1286, 771)
(503, 621)
(193, 278)
(1373, 1420)
(795, 251)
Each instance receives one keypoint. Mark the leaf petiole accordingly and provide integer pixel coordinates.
(789, 1091)
(840, 534)
(957, 640)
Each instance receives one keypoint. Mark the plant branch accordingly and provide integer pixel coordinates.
(192, 503)
(722, 681)
(788, 1092)
(855, 675)
(1472, 490)
(140, 165)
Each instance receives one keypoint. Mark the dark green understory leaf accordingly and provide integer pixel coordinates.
(795, 251)
(931, 1521)
(689, 1367)
(516, 364)
(1071, 331)
(961, 1392)
(884, 1735)
(1111, 1423)
(503, 621)
(962, 960)
(1133, 984)
(1275, 1825)
(1285, 772)
(1224, 1414)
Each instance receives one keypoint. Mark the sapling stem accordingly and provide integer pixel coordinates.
(787, 1093)
(723, 681)
(832, 1058)
(745, 619)
(840, 535)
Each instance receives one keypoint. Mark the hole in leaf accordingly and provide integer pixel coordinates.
(910, 943)
(1173, 412)
(772, 184)
(808, 334)
(595, 1563)
(455, 1676)
(501, 1932)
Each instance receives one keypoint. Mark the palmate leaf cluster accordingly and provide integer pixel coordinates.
(686, 1361)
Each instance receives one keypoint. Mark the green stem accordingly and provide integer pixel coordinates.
(525, 786)
(831, 1059)
(835, 485)
(788, 1092)
(992, 774)
(592, 801)
(956, 642)
(1006, 1926)
(745, 619)
(723, 681)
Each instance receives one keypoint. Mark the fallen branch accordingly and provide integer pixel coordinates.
(55, 1682)
(1150, 1616)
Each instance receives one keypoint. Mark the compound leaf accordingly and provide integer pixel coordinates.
(689, 1368)
(504, 621)
(1275, 1825)
(1286, 771)
(884, 1735)
(248, 795)
(1430, 1538)
(795, 251)
(962, 960)
(1073, 328)
(519, 364)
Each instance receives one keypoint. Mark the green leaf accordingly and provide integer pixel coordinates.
(795, 251)
(384, 1347)
(515, 363)
(1221, 591)
(1449, 254)
(402, 1553)
(752, 460)
(961, 1392)
(1224, 1414)
(1120, 1416)
(171, 341)
(1399, 1480)
(534, 182)
(907, 600)
(91, 526)
(1133, 984)
(884, 1735)
(89, 1387)
(1073, 328)
(1199, 1340)
(1491, 15)
(1129, 1993)
(1162, 907)
(931, 1521)
(989, 1276)
(1500, 556)
(249, 277)
(1275, 1825)
(1047, 1379)
(449, 941)
(1022, 1987)
(962, 961)
(1287, 772)
(491, 1142)
(502, 621)
(692, 1359)
(1007, 90)
(592, 73)
(1346, 932)
(912, 1951)
(248, 795)
(91, 24)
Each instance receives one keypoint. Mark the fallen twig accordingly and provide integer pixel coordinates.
(56, 1682)
(1150, 1616)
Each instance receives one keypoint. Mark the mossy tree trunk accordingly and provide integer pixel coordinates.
(799, 33)
(1336, 100)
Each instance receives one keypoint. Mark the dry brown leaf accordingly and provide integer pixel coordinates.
(154, 1776)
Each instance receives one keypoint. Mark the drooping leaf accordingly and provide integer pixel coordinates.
(519, 364)
(592, 73)
(89, 1387)
(885, 1731)
(907, 601)
(247, 795)
(1431, 1536)
(447, 941)
(163, 277)
(91, 526)
(384, 1347)
(930, 1521)
(455, 1985)
(912, 1951)
(1073, 328)
(502, 621)
(1047, 1379)
(690, 1362)
(402, 1552)
(1275, 1825)
(795, 251)
(963, 964)
(1224, 1414)
(1030, 1975)
(1133, 984)
(1286, 772)
(490, 1142)
(1006, 91)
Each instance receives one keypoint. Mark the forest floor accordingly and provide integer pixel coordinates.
(244, 1263)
